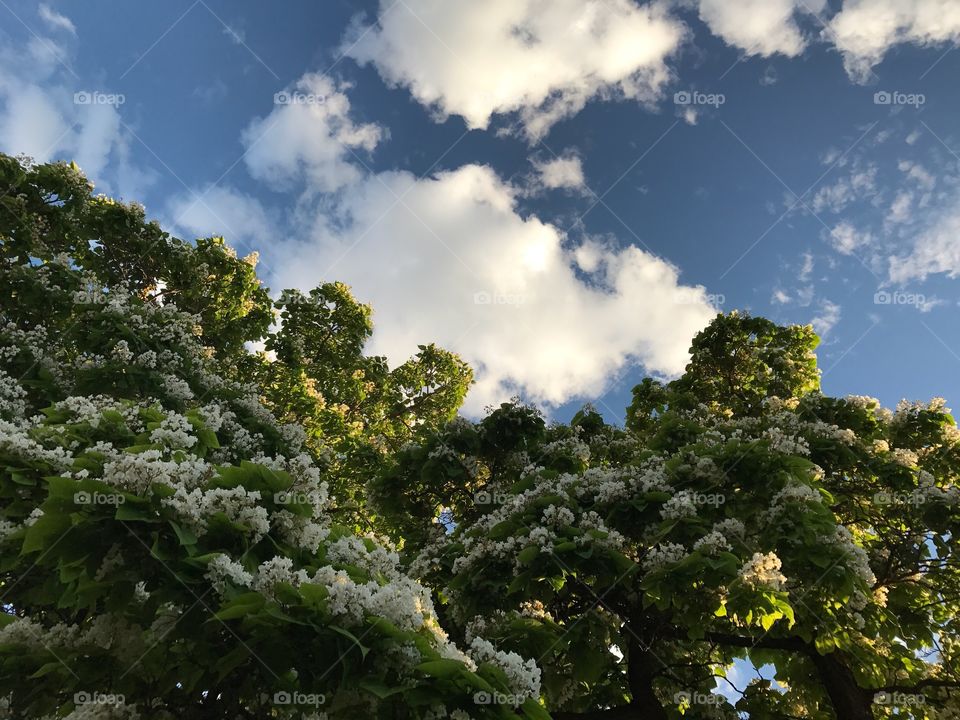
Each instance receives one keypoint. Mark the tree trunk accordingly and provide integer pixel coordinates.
(849, 700)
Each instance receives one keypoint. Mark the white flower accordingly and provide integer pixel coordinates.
(221, 570)
(175, 432)
(681, 505)
(662, 555)
(552, 515)
(763, 571)
(523, 675)
(712, 542)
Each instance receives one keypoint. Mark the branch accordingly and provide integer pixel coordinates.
(928, 682)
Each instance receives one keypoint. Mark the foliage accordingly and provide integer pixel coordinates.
(202, 530)
(168, 543)
(742, 514)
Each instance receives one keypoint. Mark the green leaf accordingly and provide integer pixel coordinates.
(529, 554)
(443, 669)
(245, 604)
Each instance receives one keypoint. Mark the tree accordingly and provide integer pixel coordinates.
(191, 528)
(741, 514)
(169, 546)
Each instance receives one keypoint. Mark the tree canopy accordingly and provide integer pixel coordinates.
(214, 504)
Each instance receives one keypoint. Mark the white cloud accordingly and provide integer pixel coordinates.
(846, 238)
(236, 34)
(309, 136)
(543, 59)
(919, 174)
(935, 250)
(857, 185)
(769, 77)
(759, 27)
(865, 30)
(31, 122)
(901, 208)
(807, 268)
(97, 135)
(561, 172)
(40, 116)
(54, 20)
(453, 262)
(827, 318)
(217, 210)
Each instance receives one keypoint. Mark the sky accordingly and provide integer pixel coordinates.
(562, 192)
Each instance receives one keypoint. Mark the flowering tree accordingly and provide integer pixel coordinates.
(740, 515)
(190, 528)
(169, 543)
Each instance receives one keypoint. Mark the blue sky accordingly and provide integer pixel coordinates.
(563, 193)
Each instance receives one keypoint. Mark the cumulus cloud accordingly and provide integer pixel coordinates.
(865, 30)
(217, 210)
(42, 117)
(759, 27)
(544, 60)
(449, 259)
(561, 172)
(310, 137)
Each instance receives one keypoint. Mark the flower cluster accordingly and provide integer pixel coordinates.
(763, 571)
(523, 675)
